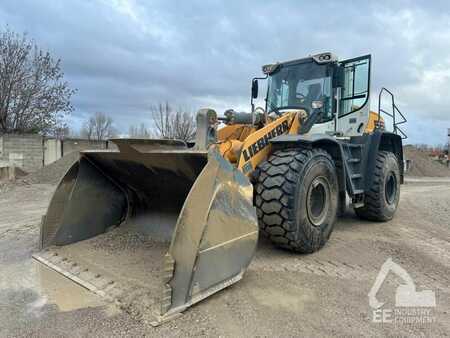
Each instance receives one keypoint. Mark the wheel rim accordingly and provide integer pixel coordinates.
(390, 189)
(318, 200)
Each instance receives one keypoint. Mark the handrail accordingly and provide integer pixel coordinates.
(393, 115)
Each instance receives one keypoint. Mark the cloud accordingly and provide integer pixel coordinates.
(125, 55)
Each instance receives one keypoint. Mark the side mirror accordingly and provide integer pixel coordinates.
(254, 88)
(339, 77)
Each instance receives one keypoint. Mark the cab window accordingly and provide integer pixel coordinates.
(298, 85)
(356, 85)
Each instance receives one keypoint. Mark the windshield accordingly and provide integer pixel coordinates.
(297, 86)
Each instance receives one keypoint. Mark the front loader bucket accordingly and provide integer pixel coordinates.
(153, 230)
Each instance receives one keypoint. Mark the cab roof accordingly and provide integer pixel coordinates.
(321, 58)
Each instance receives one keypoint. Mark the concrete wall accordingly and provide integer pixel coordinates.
(55, 149)
(112, 146)
(52, 150)
(3, 162)
(31, 152)
(71, 145)
(22, 150)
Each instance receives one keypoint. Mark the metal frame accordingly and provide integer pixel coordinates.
(369, 57)
(393, 115)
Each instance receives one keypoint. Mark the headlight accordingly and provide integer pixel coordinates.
(269, 69)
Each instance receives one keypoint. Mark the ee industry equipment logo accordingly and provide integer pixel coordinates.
(411, 306)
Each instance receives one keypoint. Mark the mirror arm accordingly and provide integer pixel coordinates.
(251, 95)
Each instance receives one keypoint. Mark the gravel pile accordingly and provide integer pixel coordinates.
(52, 173)
(422, 165)
(122, 238)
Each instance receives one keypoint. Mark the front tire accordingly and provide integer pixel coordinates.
(296, 196)
(381, 200)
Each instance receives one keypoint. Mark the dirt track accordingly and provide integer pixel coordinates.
(282, 294)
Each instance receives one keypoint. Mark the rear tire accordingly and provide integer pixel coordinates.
(381, 200)
(296, 197)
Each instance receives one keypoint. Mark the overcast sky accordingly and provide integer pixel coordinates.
(125, 55)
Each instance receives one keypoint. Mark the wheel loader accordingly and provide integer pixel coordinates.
(158, 225)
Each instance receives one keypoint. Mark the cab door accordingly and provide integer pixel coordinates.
(354, 102)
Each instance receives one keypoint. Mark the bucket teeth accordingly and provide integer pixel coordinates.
(166, 299)
(168, 269)
(167, 275)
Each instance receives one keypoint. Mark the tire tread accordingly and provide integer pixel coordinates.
(276, 187)
(373, 209)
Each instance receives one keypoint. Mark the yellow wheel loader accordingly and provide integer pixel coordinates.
(158, 225)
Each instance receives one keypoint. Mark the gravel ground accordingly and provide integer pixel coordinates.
(422, 165)
(282, 294)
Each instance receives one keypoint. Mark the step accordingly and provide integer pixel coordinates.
(358, 198)
(353, 160)
(353, 145)
(357, 205)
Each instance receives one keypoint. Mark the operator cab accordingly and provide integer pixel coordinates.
(338, 89)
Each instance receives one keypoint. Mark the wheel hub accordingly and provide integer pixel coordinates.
(318, 200)
(390, 189)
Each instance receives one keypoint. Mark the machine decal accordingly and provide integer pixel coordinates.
(263, 142)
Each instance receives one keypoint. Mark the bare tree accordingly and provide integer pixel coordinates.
(87, 130)
(98, 127)
(140, 131)
(33, 94)
(62, 132)
(172, 124)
